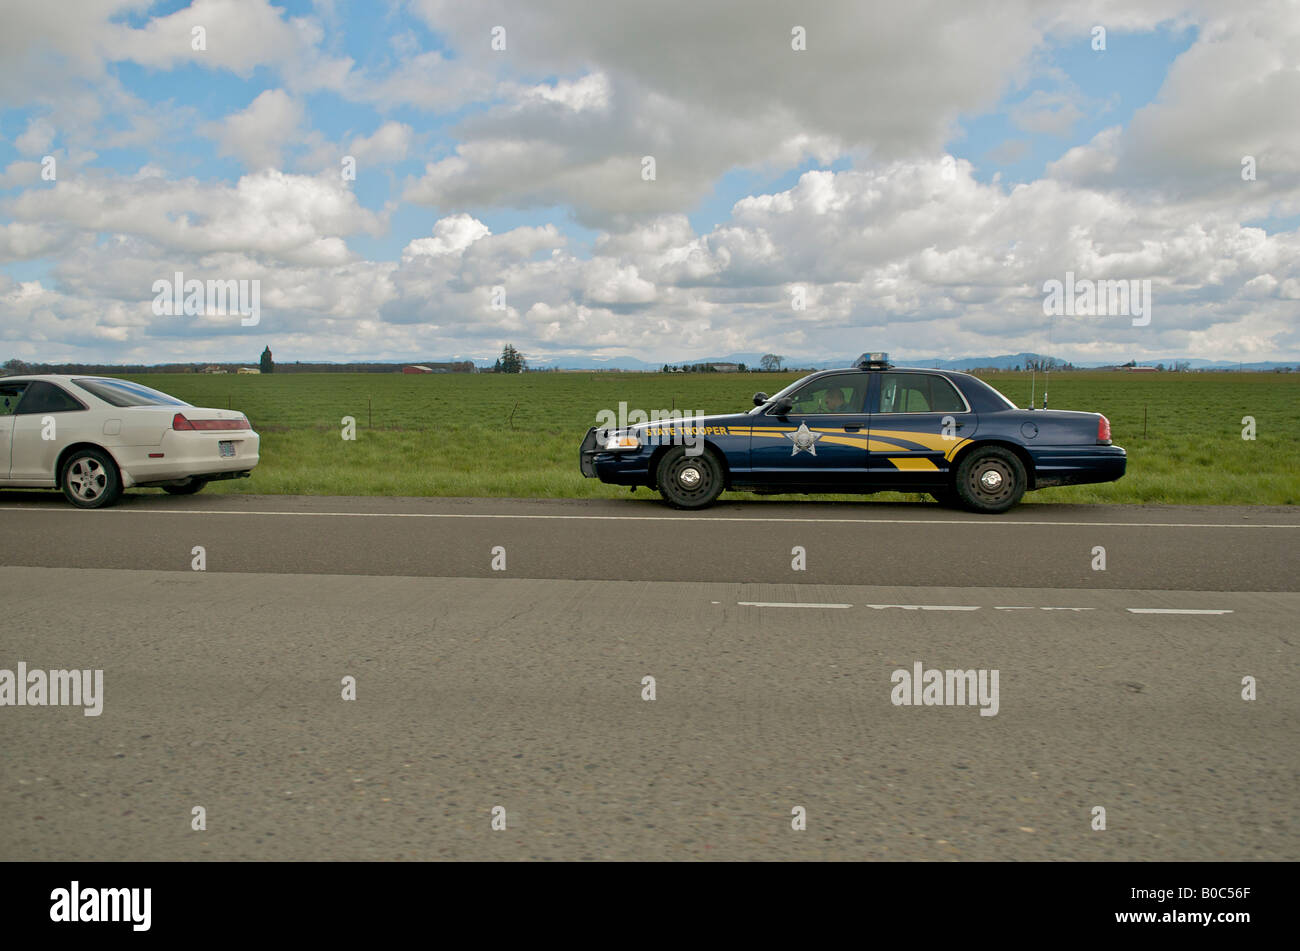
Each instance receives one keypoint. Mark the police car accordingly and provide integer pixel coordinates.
(869, 428)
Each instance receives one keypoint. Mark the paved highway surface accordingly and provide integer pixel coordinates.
(524, 689)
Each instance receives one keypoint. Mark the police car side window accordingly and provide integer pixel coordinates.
(838, 395)
(944, 397)
(918, 393)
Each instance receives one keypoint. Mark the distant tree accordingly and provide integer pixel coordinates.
(512, 361)
(741, 368)
(267, 365)
(15, 366)
(771, 362)
(665, 369)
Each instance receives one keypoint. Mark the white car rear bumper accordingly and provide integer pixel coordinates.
(184, 455)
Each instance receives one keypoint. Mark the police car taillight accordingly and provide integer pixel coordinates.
(1103, 429)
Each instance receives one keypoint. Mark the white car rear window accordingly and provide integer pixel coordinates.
(124, 393)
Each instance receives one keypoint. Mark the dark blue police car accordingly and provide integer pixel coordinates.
(870, 428)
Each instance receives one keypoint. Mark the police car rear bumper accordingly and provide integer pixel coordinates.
(1080, 465)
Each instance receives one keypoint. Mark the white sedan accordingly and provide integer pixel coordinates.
(92, 437)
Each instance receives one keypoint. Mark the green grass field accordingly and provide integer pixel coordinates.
(518, 435)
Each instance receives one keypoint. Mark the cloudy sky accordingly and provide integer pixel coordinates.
(915, 173)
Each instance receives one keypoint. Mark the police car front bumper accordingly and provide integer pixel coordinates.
(587, 454)
(624, 466)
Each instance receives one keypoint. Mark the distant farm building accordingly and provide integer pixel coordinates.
(725, 367)
(463, 366)
(248, 370)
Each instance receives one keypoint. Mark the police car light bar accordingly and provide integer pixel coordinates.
(873, 361)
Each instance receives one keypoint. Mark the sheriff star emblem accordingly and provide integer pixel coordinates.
(804, 441)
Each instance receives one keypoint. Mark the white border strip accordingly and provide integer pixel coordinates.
(675, 520)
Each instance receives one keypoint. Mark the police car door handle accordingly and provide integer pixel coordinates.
(851, 428)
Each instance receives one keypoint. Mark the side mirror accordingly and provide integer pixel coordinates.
(760, 399)
(782, 406)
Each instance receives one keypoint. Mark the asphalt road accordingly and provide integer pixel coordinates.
(524, 688)
(1216, 548)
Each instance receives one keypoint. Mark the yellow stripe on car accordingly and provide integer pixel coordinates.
(913, 462)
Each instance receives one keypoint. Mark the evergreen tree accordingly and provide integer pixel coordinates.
(512, 361)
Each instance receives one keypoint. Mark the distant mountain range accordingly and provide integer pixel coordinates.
(1007, 361)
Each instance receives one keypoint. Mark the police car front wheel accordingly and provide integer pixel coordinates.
(689, 481)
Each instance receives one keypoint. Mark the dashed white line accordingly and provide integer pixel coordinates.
(1173, 611)
(790, 604)
(1017, 607)
(927, 607)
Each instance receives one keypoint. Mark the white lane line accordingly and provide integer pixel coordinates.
(1029, 608)
(674, 520)
(1172, 611)
(967, 607)
(927, 607)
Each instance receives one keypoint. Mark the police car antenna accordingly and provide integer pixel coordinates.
(1047, 370)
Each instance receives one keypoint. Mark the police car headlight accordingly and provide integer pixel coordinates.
(625, 441)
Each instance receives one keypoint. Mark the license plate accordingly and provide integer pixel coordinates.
(226, 447)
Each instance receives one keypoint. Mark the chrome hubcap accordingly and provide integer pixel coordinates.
(991, 480)
(690, 477)
(88, 478)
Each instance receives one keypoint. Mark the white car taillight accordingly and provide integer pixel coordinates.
(181, 424)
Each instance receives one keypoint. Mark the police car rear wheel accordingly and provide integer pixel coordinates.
(990, 480)
(689, 482)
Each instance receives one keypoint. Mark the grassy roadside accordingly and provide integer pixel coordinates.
(517, 436)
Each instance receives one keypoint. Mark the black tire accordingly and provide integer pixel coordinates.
(189, 488)
(689, 482)
(90, 479)
(990, 480)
